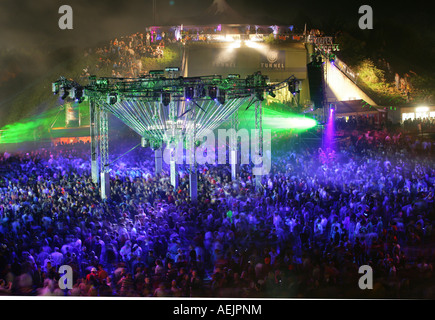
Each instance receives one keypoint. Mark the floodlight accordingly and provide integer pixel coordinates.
(55, 87)
(221, 96)
(212, 92)
(112, 98)
(422, 109)
(65, 93)
(188, 93)
(166, 98)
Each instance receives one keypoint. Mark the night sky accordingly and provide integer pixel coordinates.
(32, 26)
(26, 23)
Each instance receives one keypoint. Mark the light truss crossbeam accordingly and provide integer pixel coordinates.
(166, 110)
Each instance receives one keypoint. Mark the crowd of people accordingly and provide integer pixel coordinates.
(419, 125)
(123, 57)
(364, 123)
(359, 122)
(304, 233)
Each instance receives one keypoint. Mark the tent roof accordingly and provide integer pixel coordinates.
(355, 107)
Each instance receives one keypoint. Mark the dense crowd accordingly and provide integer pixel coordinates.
(123, 56)
(318, 217)
(416, 125)
(426, 124)
(359, 122)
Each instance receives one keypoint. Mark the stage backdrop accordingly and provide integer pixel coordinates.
(277, 62)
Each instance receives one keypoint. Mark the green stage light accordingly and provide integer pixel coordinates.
(285, 123)
(277, 120)
(22, 132)
(29, 129)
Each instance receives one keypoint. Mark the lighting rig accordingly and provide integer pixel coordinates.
(164, 108)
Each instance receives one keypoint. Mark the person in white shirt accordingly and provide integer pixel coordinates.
(57, 257)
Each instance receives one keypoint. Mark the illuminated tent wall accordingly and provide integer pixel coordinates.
(244, 58)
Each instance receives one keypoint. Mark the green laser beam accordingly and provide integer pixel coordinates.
(297, 123)
(28, 129)
(276, 120)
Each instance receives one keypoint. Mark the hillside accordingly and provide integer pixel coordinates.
(390, 70)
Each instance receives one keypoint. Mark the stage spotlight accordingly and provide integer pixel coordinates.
(145, 143)
(55, 87)
(166, 98)
(221, 96)
(155, 145)
(212, 92)
(112, 98)
(294, 86)
(65, 93)
(188, 93)
(77, 94)
(259, 94)
(298, 86)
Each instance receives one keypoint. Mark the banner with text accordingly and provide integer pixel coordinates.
(273, 59)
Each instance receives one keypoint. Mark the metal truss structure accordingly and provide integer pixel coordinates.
(163, 109)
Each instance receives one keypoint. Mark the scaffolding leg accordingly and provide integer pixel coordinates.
(105, 185)
(95, 172)
(93, 113)
(104, 155)
(193, 185)
(174, 173)
(259, 147)
(158, 157)
(233, 151)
